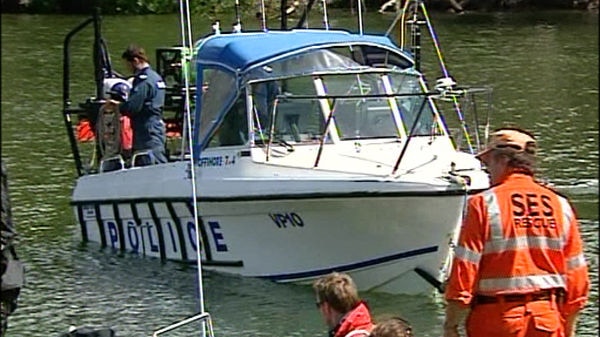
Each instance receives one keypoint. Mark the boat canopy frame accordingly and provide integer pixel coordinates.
(243, 70)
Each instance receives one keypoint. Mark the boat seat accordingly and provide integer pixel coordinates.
(138, 159)
(112, 164)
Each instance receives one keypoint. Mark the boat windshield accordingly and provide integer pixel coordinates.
(333, 93)
(333, 59)
(362, 106)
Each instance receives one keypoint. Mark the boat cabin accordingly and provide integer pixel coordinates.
(292, 91)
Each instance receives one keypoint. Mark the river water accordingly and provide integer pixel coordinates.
(543, 68)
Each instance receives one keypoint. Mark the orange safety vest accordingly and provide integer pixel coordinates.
(126, 133)
(519, 237)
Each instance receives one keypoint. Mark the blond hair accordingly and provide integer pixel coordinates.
(338, 290)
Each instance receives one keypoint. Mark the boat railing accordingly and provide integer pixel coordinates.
(203, 317)
(80, 119)
(469, 129)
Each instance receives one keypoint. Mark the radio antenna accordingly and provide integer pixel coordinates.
(237, 28)
(263, 16)
(360, 18)
(325, 18)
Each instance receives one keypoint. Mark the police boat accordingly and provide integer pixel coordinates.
(298, 152)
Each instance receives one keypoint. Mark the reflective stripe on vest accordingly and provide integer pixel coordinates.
(494, 216)
(522, 282)
(540, 242)
(576, 262)
(497, 244)
(468, 255)
(567, 217)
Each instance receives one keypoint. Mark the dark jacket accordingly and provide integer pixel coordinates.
(145, 107)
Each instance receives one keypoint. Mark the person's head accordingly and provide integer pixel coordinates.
(336, 294)
(392, 327)
(509, 150)
(134, 57)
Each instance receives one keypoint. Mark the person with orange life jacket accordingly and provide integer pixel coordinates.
(343, 311)
(518, 268)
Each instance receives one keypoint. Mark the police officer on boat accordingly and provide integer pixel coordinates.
(145, 108)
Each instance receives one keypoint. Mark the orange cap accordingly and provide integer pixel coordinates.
(515, 139)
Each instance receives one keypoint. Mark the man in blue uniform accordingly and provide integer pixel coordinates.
(145, 107)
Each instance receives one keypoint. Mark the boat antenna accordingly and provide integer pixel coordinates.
(325, 18)
(186, 58)
(283, 10)
(237, 28)
(360, 18)
(263, 16)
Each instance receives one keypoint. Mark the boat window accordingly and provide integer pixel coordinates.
(304, 64)
(217, 95)
(372, 56)
(333, 59)
(292, 120)
(234, 128)
(379, 57)
(365, 117)
(409, 106)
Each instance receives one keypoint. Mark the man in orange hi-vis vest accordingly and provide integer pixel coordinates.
(518, 268)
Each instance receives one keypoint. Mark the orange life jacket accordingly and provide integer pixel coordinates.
(519, 237)
(85, 132)
(126, 133)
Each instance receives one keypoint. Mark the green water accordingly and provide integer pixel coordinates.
(543, 68)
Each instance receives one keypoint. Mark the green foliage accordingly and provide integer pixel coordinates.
(214, 9)
(139, 6)
(43, 6)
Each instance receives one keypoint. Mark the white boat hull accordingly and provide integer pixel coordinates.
(378, 231)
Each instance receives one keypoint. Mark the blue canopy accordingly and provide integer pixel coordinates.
(238, 51)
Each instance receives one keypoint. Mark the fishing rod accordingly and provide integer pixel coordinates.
(447, 78)
(445, 84)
